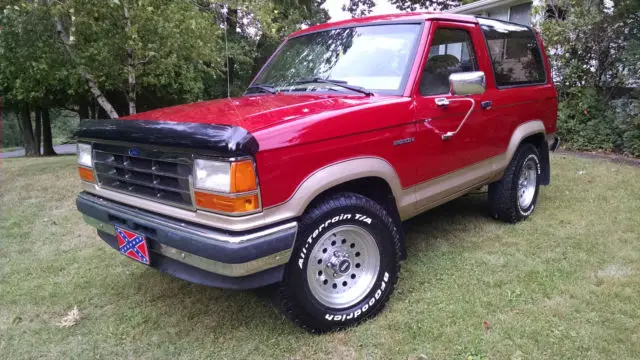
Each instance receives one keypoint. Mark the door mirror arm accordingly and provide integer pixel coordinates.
(463, 83)
(443, 102)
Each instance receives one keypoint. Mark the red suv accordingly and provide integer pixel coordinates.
(350, 128)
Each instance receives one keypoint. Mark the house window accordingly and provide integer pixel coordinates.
(501, 13)
(520, 14)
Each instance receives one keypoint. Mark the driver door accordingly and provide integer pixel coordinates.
(453, 48)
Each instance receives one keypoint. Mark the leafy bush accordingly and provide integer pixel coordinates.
(10, 131)
(594, 48)
(631, 136)
(63, 124)
(587, 121)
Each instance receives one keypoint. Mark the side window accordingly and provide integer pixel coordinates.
(451, 51)
(514, 52)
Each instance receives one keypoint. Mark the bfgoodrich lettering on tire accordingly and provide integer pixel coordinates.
(513, 198)
(344, 266)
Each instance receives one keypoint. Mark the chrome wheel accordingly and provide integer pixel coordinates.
(343, 266)
(527, 183)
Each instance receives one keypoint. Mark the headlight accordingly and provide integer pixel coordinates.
(226, 187)
(213, 175)
(84, 155)
(85, 163)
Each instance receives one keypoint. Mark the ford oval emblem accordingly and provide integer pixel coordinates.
(134, 152)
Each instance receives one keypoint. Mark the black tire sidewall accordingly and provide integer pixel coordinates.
(528, 153)
(311, 233)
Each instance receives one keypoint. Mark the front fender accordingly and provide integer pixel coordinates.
(341, 172)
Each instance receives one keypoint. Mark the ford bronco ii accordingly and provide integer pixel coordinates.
(350, 128)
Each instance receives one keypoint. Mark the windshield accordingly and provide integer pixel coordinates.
(376, 58)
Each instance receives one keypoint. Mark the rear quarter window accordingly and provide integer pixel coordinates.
(515, 53)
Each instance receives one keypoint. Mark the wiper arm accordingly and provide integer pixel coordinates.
(264, 87)
(339, 83)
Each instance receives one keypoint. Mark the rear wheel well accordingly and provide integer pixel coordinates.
(539, 140)
(374, 188)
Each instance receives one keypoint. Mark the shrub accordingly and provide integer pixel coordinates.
(11, 135)
(594, 47)
(587, 121)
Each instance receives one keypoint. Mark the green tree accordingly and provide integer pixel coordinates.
(253, 31)
(116, 57)
(34, 76)
(593, 49)
(359, 8)
(160, 49)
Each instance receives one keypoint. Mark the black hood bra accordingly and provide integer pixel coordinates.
(222, 139)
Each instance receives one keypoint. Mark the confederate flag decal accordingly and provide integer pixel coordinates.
(133, 245)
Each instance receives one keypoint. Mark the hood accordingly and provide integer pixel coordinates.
(256, 112)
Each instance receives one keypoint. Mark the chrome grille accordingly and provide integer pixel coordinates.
(151, 174)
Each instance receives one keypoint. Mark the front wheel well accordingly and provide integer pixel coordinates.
(374, 188)
(539, 140)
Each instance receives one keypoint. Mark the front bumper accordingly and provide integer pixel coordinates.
(194, 252)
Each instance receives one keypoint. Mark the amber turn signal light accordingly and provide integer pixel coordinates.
(243, 177)
(86, 174)
(227, 204)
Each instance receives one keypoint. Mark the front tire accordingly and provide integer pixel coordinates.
(513, 198)
(344, 265)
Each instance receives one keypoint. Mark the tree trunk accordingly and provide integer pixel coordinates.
(93, 87)
(231, 27)
(38, 132)
(131, 86)
(104, 103)
(27, 132)
(131, 93)
(83, 109)
(93, 109)
(47, 139)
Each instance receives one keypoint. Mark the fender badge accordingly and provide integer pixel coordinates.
(403, 141)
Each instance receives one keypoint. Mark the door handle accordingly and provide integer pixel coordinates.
(486, 105)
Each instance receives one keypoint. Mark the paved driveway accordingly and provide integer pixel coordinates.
(60, 149)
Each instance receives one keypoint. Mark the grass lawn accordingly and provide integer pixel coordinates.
(563, 285)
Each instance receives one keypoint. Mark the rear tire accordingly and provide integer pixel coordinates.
(513, 198)
(344, 265)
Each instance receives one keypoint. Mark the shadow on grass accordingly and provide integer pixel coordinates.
(459, 215)
(188, 306)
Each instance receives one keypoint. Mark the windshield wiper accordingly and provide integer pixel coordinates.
(339, 83)
(264, 87)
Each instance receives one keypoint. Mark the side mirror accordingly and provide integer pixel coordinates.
(467, 83)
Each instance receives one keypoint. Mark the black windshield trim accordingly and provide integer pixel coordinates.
(376, 23)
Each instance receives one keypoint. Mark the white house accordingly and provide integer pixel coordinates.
(518, 11)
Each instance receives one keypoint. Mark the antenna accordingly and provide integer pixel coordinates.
(226, 48)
